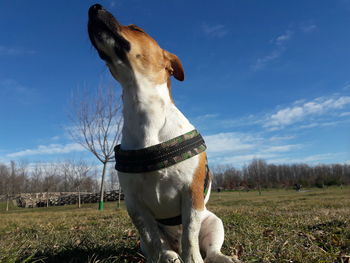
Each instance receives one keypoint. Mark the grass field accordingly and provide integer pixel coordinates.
(279, 226)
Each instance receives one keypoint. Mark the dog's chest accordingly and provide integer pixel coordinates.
(160, 191)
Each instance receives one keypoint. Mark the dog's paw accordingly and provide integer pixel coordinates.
(221, 258)
(170, 257)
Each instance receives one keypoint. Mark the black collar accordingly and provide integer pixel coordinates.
(159, 156)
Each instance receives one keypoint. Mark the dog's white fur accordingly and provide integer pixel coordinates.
(151, 117)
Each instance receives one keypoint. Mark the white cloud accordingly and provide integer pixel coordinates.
(281, 138)
(280, 40)
(244, 121)
(278, 158)
(15, 91)
(344, 114)
(279, 48)
(280, 45)
(205, 117)
(262, 62)
(229, 142)
(320, 157)
(15, 51)
(240, 148)
(310, 159)
(298, 113)
(49, 149)
(217, 31)
(309, 28)
(240, 160)
(282, 148)
(286, 116)
(324, 124)
(347, 86)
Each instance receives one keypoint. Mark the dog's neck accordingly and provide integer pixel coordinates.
(150, 116)
(145, 107)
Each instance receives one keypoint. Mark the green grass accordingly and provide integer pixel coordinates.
(278, 226)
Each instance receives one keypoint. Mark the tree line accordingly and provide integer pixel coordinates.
(259, 174)
(79, 176)
(65, 176)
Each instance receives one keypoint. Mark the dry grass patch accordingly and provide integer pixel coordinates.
(279, 226)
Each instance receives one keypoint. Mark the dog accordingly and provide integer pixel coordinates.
(144, 69)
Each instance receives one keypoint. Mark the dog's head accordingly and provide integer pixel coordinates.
(129, 51)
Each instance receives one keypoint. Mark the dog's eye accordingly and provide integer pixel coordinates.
(136, 28)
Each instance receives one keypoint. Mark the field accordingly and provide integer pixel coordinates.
(278, 226)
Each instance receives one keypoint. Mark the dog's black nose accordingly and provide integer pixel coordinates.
(94, 9)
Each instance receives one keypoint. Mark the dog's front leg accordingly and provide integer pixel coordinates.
(154, 249)
(191, 223)
(148, 230)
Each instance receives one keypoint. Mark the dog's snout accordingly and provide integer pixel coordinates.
(93, 10)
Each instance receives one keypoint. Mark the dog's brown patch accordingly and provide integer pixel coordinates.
(145, 56)
(197, 186)
(148, 58)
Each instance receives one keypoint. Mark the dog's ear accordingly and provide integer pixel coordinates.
(174, 66)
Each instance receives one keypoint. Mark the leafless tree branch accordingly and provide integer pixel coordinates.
(97, 124)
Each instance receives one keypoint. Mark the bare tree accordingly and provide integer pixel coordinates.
(90, 184)
(22, 174)
(4, 178)
(113, 179)
(36, 185)
(50, 180)
(5, 183)
(12, 181)
(77, 172)
(97, 125)
(114, 183)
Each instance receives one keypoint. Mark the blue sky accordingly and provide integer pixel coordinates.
(264, 79)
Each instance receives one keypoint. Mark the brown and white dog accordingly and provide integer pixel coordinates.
(151, 117)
